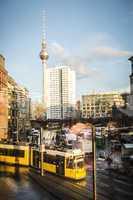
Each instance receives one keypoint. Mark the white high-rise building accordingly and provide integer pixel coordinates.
(60, 92)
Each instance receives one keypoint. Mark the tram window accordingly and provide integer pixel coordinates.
(2, 152)
(35, 154)
(19, 153)
(49, 159)
(70, 164)
(12, 152)
(45, 158)
(80, 164)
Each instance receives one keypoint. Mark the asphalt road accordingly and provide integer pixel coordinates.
(18, 183)
(113, 185)
(20, 187)
(15, 184)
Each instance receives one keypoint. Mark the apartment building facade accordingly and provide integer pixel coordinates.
(3, 99)
(100, 105)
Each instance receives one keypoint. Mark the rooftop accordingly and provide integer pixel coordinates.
(103, 93)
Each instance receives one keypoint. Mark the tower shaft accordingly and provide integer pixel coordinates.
(44, 83)
(44, 57)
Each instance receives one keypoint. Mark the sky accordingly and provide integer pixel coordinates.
(93, 36)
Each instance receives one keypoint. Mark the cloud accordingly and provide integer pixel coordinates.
(77, 63)
(92, 56)
(80, 65)
(57, 49)
(106, 51)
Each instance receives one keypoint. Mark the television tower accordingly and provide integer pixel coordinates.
(44, 57)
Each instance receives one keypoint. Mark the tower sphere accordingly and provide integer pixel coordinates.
(44, 55)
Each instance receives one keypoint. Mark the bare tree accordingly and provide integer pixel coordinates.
(38, 111)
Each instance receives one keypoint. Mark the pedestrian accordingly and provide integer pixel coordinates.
(109, 160)
(57, 139)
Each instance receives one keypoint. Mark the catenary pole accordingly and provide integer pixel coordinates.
(94, 161)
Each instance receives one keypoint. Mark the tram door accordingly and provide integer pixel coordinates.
(60, 165)
(35, 159)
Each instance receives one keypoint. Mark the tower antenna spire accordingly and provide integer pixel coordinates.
(44, 26)
(43, 53)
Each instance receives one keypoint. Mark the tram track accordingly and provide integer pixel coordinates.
(118, 186)
(59, 188)
(69, 183)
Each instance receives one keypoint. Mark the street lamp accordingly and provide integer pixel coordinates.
(94, 161)
(42, 148)
(17, 132)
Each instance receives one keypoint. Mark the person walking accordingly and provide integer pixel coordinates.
(109, 160)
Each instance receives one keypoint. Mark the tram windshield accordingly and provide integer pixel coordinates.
(80, 164)
(70, 164)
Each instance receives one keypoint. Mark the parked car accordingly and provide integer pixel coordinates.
(101, 155)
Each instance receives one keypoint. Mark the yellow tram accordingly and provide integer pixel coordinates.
(14, 154)
(69, 164)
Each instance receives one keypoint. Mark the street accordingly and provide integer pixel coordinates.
(20, 187)
(19, 183)
(15, 183)
(112, 184)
